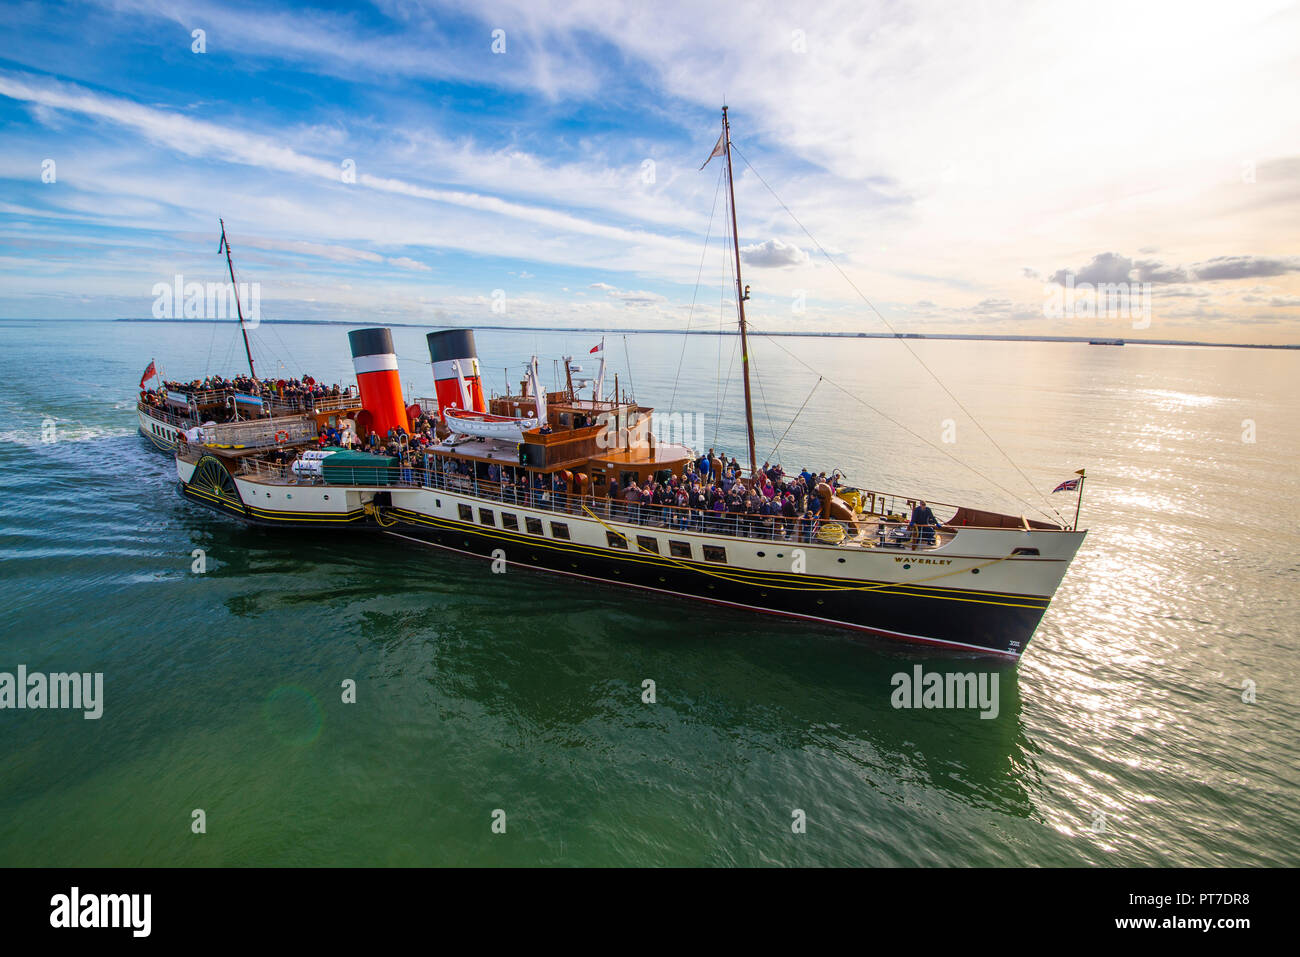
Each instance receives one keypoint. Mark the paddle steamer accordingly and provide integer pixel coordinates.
(525, 480)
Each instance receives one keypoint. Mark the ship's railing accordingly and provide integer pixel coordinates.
(159, 414)
(260, 433)
(271, 401)
(884, 531)
(331, 403)
(266, 471)
(748, 525)
(204, 396)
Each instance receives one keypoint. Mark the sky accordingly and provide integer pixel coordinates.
(906, 166)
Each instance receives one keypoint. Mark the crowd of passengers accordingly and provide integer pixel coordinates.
(708, 495)
(296, 393)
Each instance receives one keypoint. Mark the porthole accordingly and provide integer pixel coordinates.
(762, 554)
(906, 567)
(974, 571)
(841, 561)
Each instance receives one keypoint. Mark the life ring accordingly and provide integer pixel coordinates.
(279, 440)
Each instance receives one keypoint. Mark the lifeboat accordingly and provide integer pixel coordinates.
(484, 425)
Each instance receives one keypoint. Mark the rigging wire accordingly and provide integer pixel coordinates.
(795, 419)
(726, 383)
(686, 336)
(895, 422)
(767, 410)
(723, 385)
(919, 360)
(628, 358)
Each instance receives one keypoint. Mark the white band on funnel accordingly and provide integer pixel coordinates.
(443, 370)
(364, 364)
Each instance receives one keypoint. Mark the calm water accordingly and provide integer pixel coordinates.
(523, 693)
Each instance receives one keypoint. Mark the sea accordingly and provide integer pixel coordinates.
(279, 698)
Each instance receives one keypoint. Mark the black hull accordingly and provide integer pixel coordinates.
(977, 623)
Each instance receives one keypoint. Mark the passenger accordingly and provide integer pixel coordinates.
(632, 500)
(922, 524)
(788, 514)
(718, 512)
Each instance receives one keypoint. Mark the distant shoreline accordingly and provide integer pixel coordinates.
(1110, 341)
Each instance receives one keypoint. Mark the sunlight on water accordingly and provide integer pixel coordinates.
(1121, 738)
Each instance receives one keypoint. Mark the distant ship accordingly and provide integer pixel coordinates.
(547, 480)
(1105, 342)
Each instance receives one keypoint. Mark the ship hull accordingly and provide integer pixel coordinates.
(976, 600)
(160, 433)
(992, 625)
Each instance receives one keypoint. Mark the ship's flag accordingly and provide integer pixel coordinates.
(596, 348)
(718, 148)
(1068, 486)
(149, 373)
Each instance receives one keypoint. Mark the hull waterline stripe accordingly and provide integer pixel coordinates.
(731, 604)
(898, 589)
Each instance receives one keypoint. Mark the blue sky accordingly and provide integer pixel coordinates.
(953, 164)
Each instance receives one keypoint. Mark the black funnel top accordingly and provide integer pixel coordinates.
(371, 342)
(452, 344)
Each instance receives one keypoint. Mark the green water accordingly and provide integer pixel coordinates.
(523, 693)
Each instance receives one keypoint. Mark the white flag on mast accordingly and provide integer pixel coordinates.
(719, 148)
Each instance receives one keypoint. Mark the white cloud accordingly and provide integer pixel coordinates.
(772, 254)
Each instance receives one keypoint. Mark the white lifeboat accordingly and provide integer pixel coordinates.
(484, 425)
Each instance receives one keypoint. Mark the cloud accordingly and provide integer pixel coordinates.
(629, 298)
(1278, 302)
(1244, 267)
(1104, 268)
(202, 138)
(407, 263)
(1112, 267)
(772, 254)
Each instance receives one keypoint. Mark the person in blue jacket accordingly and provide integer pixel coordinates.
(923, 523)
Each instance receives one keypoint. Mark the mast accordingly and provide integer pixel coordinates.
(741, 296)
(238, 308)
